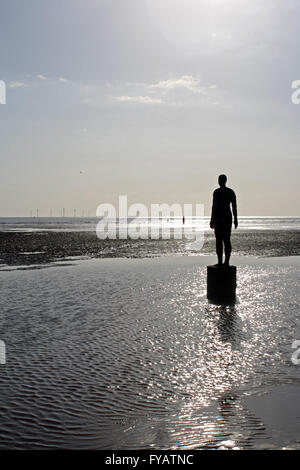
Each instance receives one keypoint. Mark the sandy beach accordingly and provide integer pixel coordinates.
(43, 247)
(129, 354)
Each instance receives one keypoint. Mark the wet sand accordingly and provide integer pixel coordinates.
(25, 248)
(128, 354)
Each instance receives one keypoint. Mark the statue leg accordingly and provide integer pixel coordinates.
(219, 245)
(227, 245)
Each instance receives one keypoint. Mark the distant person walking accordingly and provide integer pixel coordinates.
(221, 219)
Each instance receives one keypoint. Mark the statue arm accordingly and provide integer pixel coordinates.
(234, 210)
(213, 212)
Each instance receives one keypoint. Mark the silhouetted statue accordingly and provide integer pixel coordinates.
(221, 218)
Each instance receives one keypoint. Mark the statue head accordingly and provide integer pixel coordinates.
(222, 180)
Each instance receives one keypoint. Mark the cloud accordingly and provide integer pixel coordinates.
(139, 99)
(63, 80)
(159, 91)
(187, 82)
(15, 84)
(42, 77)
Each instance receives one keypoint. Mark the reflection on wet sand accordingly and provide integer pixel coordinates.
(150, 363)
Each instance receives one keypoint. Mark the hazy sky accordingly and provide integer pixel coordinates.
(149, 98)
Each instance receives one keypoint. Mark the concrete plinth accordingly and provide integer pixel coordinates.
(221, 283)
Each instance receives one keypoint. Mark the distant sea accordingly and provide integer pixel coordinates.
(79, 224)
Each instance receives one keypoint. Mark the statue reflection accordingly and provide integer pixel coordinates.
(228, 322)
(229, 327)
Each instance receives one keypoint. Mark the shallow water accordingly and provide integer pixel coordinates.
(128, 354)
